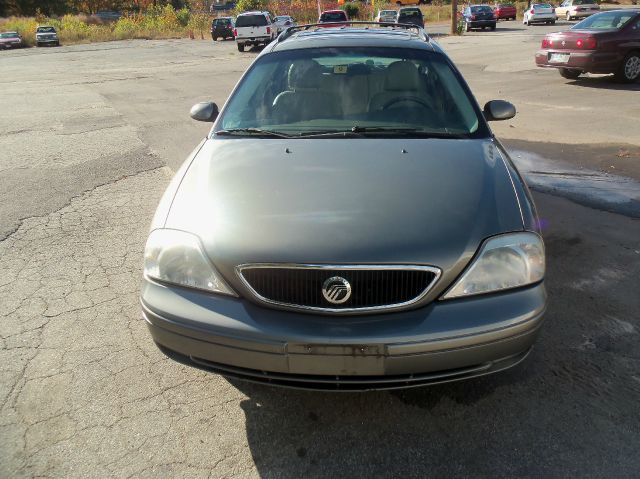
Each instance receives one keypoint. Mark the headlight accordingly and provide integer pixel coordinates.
(505, 261)
(176, 257)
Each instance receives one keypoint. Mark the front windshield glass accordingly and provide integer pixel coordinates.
(9, 35)
(605, 21)
(307, 91)
(46, 30)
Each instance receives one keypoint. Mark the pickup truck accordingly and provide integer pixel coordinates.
(254, 28)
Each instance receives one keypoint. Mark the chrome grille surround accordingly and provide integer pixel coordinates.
(332, 270)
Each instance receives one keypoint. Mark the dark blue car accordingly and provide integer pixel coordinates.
(479, 16)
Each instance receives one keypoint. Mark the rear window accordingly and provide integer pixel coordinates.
(251, 21)
(605, 21)
(333, 17)
(481, 9)
(9, 35)
(584, 2)
(222, 21)
(506, 5)
(410, 13)
(541, 5)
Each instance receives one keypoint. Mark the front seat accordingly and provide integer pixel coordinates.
(402, 81)
(304, 100)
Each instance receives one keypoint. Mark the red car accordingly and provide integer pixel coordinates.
(333, 18)
(607, 42)
(505, 11)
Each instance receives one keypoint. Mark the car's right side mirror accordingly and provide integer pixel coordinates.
(496, 110)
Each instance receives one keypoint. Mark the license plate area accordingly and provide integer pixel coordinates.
(558, 57)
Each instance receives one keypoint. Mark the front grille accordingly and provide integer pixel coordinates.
(371, 287)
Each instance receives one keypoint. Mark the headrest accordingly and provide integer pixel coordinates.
(304, 74)
(402, 76)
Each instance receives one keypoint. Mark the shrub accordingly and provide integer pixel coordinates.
(183, 16)
(248, 5)
(351, 9)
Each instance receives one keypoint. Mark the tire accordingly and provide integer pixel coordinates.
(467, 27)
(493, 28)
(240, 47)
(38, 44)
(553, 22)
(58, 43)
(629, 70)
(568, 17)
(569, 74)
(526, 22)
(215, 39)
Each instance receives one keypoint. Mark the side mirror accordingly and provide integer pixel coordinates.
(496, 110)
(204, 111)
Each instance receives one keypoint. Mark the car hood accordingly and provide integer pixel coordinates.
(362, 201)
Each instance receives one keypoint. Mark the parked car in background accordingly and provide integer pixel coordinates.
(10, 40)
(478, 16)
(108, 15)
(386, 16)
(284, 21)
(221, 6)
(46, 35)
(350, 222)
(411, 15)
(222, 27)
(539, 13)
(505, 11)
(254, 28)
(570, 9)
(331, 18)
(606, 42)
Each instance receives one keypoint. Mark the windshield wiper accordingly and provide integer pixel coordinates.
(361, 131)
(251, 131)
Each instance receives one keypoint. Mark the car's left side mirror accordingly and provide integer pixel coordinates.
(204, 111)
(496, 110)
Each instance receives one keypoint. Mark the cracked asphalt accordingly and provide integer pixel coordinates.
(90, 136)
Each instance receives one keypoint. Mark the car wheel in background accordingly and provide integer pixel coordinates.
(629, 70)
(240, 47)
(568, 17)
(569, 74)
(58, 43)
(553, 22)
(215, 39)
(467, 27)
(493, 28)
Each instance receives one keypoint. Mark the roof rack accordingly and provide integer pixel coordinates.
(401, 26)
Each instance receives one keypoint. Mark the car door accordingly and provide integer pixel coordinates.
(561, 11)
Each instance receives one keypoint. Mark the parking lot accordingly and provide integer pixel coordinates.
(90, 136)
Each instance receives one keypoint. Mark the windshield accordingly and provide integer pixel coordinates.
(307, 91)
(9, 35)
(46, 30)
(251, 21)
(605, 21)
(333, 17)
(539, 6)
(388, 13)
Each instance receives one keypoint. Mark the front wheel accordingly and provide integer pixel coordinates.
(629, 70)
(240, 47)
(553, 22)
(493, 28)
(569, 74)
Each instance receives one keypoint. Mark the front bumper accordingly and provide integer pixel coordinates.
(444, 341)
(591, 62)
(46, 40)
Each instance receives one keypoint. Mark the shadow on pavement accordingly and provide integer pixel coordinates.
(403, 433)
(605, 82)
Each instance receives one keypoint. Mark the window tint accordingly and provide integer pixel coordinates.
(298, 92)
(605, 21)
(481, 9)
(46, 30)
(251, 21)
(333, 17)
(584, 2)
(9, 35)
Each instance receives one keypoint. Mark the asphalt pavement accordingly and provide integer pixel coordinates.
(89, 137)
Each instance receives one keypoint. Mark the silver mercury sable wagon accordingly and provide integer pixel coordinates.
(349, 223)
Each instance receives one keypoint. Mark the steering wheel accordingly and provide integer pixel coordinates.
(413, 99)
